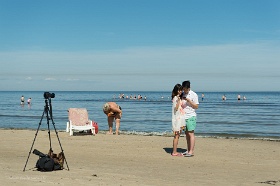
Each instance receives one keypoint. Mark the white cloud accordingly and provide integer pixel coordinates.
(50, 79)
(70, 79)
(28, 78)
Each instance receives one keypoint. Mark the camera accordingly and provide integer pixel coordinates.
(38, 153)
(48, 95)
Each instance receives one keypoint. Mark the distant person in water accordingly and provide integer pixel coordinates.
(113, 111)
(29, 101)
(202, 96)
(238, 97)
(22, 100)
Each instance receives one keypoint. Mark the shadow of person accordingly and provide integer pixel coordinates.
(170, 150)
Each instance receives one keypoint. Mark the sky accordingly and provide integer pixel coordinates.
(139, 45)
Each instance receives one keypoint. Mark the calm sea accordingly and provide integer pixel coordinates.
(256, 117)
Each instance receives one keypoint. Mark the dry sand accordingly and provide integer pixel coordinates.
(139, 160)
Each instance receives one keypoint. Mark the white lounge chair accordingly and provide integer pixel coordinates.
(79, 121)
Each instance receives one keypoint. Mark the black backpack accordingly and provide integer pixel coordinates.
(45, 164)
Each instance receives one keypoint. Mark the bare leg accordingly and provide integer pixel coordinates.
(188, 140)
(175, 142)
(191, 142)
(110, 124)
(118, 122)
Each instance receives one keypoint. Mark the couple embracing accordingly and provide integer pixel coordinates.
(184, 105)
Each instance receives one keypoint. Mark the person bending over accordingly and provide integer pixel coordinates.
(113, 111)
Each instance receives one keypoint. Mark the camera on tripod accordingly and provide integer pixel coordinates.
(48, 95)
(50, 161)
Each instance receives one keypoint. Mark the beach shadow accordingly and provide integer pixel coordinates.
(169, 150)
(82, 133)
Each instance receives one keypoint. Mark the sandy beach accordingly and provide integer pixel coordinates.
(139, 160)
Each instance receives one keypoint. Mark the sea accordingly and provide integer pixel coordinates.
(256, 117)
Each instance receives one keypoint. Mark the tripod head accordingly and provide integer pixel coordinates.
(48, 95)
(48, 103)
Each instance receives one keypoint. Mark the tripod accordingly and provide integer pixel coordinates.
(48, 112)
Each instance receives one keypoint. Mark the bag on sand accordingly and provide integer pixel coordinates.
(45, 164)
(95, 125)
(49, 162)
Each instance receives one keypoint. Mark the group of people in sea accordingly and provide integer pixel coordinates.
(138, 97)
(22, 100)
(224, 98)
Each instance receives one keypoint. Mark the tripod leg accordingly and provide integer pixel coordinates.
(34, 140)
(48, 123)
(59, 143)
(50, 114)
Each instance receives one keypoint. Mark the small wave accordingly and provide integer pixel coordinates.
(217, 136)
(170, 134)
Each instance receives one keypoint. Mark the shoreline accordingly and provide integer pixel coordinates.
(138, 160)
(169, 134)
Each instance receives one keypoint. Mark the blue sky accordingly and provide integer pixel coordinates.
(139, 45)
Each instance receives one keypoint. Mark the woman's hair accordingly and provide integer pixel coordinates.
(175, 90)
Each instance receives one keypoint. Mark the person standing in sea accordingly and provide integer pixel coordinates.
(113, 111)
(178, 119)
(29, 101)
(22, 100)
(189, 105)
(238, 97)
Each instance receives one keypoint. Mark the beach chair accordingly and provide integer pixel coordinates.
(79, 121)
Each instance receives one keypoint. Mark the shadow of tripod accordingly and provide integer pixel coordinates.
(48, 112)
